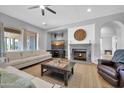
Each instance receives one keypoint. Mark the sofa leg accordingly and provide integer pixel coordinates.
(41, 70)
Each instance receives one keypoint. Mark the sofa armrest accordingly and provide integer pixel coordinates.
(105, 62)
(120, 68)
(121, 73)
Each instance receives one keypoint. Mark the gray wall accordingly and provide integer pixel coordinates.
(13, 22)
(49, 38)
(66, 43)
(65, 38)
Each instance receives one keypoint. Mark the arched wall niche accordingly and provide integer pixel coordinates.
(111, 37)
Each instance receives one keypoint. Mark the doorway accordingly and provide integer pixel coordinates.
(111, 38)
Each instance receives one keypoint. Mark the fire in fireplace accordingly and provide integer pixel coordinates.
(79, 54)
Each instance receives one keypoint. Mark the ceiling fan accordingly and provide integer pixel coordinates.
(43, 8)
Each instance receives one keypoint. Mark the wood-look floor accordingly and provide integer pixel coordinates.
(85, 76)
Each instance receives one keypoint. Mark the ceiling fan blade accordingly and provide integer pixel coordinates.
(47, 8)
(47, 5)
(43, 12)
(33, 7)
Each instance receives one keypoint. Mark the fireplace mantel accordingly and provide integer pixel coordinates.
(81, 45)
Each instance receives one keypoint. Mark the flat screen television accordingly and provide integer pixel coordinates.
(59, 44)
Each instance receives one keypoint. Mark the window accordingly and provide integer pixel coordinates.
(11, 43)
(16, 44)
(16, 40)
(31, 40)
(12, 39)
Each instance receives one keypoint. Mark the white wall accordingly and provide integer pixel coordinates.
(90, 38)
(112, 34)
(120, 35)
(107, 32)
(49, 41)
(89, 34)
(43, 40)
(107, 44)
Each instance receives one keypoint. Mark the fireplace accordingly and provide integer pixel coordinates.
(79, 54)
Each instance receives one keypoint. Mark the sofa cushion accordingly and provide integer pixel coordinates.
(26, 54)
(20, 61)
(13, 70)
(35, 82)
(13, 55)
(12, 80)
(108, 78)
(35, 53)
(108, 70)
(39, 52)
(28, 59)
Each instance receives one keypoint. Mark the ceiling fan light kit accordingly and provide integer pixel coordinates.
(44, 23)
(43, 8)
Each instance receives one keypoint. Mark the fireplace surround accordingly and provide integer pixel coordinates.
(80, 53)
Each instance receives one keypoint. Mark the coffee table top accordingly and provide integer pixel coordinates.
(59, 64)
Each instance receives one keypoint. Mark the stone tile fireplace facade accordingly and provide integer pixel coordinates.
(80, 53)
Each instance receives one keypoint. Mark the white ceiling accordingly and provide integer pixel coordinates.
(65, 14)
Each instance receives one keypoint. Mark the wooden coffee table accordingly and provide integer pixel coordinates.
(65, 68)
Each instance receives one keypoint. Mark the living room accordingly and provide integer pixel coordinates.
(44, 46)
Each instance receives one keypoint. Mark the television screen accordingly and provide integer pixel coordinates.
(57, 44)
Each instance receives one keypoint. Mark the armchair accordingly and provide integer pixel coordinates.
(113, 70)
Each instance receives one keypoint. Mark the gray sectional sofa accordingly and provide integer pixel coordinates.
(20, 79)
(20, 59)
(11, 77)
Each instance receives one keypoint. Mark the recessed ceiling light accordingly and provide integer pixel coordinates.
(89, 10)
(43, 23)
